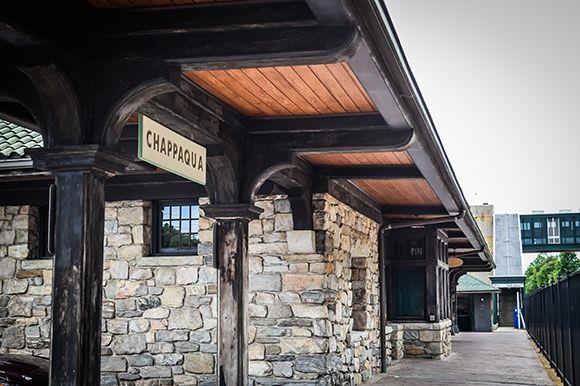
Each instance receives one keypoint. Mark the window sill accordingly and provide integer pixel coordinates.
(170, 260)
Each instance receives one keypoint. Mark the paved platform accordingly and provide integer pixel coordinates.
(504, 357)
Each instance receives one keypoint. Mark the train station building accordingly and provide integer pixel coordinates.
(231, 193)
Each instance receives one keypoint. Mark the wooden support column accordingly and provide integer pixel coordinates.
(232, 262)
(80, 172)
(383, 297)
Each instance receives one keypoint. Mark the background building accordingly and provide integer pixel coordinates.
(476, 297)
(550, 232)
(476, 305)
(507, 275)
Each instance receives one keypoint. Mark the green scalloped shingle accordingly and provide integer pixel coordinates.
(468, 283)
(14, 140)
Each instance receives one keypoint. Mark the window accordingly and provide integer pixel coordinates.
(565, 224)
(409, 293)
(553, 230)
(527, 241)
(526, 226)
(537, 225)
(409, 249)
(176, 227)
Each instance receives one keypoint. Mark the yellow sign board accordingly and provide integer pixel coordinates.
(168, 150)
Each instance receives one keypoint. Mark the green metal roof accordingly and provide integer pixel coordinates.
(14, 140)
(468, 283)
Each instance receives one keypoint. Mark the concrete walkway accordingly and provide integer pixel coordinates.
(504, 357)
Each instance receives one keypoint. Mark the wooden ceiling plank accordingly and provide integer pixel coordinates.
(227, 95)
(259, 91)
(268, 87)
(305, 72)
(288, 90)
(296, 81)
(241, 92)
(334, 87)
(244, 87)
(351, 86)
(358, 84)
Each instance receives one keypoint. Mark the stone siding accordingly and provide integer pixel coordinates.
(304, 326)
(314, 298)
(425, 340)
(25, 284)
(159, 312)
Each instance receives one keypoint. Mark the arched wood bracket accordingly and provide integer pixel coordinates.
(19, 100)
(62, 119)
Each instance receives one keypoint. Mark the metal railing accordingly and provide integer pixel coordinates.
(553, 322)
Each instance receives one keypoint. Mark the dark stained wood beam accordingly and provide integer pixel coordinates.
(206, 102)
(331, 141)
(210, 17)
(179, 113)
(80, 174)
(349, 194)
(234, 49)
(150, 186)
(232, 263)
(370, 172)
(324, 123)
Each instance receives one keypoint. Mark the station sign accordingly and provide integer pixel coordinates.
(164, 148)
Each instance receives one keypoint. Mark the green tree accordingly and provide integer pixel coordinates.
(547, 269)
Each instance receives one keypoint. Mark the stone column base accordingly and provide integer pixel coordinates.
(421, 339)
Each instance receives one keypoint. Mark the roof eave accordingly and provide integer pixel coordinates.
(428, 146)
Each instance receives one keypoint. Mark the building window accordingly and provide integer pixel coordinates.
(409, 293)
(526, 226)
(409, 249)
(553, 230)
(176, 227)
(527, 241)
(537, 225)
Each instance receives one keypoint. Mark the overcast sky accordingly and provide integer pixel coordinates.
(502, 81)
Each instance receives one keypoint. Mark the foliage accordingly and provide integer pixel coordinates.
(547, 269)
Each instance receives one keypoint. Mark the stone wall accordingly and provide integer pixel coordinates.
(25, 284)
(159, 312)
(314, 307)
(426, 340)
(304, 327)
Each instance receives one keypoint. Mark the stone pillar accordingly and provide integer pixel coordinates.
(80, 173)
(232, 262)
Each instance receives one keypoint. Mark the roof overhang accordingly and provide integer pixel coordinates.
(319, 86)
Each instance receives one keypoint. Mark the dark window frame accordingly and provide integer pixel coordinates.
(397, 314)
(42, 234)
(156, 248)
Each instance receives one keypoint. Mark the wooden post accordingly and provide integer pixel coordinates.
(80, 173)
(383, 297)
(232, 262)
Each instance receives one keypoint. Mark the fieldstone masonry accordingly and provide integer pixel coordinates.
(304, 325)
(424, 340)
(159, 312)
(313, 299)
